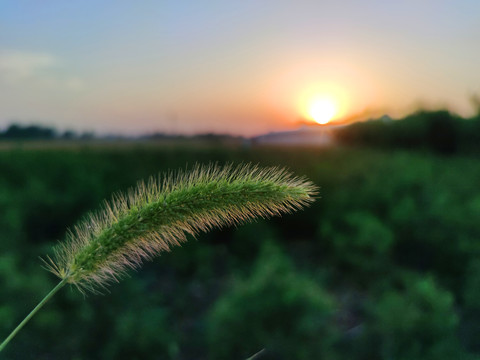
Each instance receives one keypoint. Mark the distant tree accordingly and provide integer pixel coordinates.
(442, 132)
(475, 101)
(15, 131)
(438, 131)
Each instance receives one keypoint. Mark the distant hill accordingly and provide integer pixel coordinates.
(316, 135)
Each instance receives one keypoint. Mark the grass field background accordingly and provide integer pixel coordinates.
(384, 265)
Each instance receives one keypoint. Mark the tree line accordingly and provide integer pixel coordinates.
(438, 131)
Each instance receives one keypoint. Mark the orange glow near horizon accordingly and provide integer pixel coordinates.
(328, 92)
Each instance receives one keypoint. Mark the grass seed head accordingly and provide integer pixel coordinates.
(157, 215)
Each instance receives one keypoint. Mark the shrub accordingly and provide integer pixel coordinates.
(275, 308)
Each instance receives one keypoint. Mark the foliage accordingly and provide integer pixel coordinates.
(360, 243)
(437, 131)
(426, 208)
(158, 215)
(275, 308)
(18, 132)
(415, 321)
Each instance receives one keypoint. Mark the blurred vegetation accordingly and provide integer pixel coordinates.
(275, 308)
(385, 265)
(437, 131)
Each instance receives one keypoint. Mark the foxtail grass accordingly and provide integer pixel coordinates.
(159, 214)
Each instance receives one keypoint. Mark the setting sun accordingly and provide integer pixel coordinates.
(322, 110)
(322, 102)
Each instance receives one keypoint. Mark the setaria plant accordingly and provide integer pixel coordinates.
(157, 215)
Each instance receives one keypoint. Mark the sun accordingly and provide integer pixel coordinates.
(322, 110)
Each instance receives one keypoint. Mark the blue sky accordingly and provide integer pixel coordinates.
(241, 67)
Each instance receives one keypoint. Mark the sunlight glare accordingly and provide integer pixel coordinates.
(322, 110)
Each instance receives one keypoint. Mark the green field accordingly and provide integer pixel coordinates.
(384, 265)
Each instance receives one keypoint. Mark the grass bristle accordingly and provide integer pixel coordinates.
(158, 214)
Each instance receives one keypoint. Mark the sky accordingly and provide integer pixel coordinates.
(240, 67)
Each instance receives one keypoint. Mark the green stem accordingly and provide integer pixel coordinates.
(33, 312)
(256, 355)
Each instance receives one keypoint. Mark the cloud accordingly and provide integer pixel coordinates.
(17, 65)
(38, 69)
